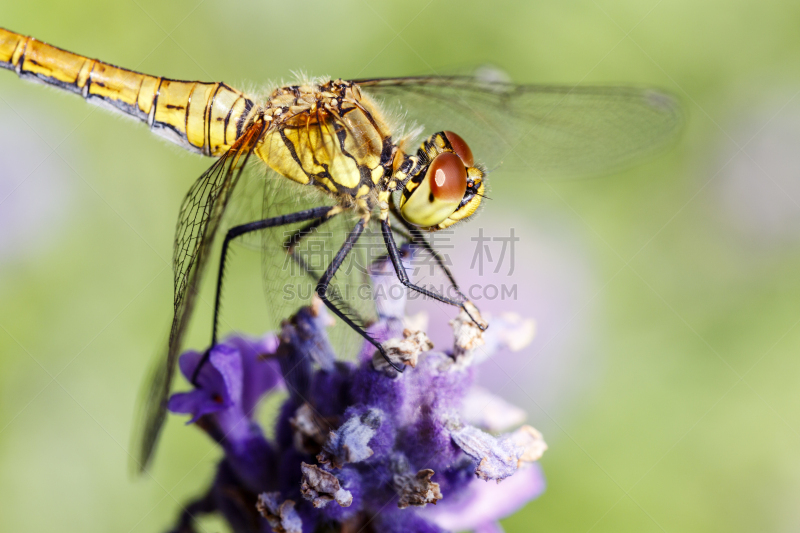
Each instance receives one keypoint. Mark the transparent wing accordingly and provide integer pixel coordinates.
(198, 222)
(289, 282)
(549, 131)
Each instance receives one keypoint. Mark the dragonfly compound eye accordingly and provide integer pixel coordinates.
(438, 194)
(460, 147)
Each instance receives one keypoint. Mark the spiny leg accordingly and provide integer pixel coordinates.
(293, 240)
(238, 231)
(419, 239)
(394, 255)
(325, 280)
(416, 237)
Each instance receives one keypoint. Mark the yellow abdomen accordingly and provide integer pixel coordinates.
(202, 117)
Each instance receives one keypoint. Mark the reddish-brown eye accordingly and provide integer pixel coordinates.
(461, 148)
(448, 177)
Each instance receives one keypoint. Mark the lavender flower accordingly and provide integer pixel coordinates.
(359, 446)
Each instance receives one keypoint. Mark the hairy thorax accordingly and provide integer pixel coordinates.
(330, 136)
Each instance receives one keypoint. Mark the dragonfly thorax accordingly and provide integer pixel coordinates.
(335, 138)
(329, 136)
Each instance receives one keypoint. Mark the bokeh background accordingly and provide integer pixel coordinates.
(665, 372)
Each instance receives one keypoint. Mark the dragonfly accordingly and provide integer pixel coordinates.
(338, 156)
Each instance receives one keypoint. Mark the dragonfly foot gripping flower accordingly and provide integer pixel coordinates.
(359, 446)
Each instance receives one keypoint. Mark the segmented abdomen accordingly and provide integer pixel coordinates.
(202, 117)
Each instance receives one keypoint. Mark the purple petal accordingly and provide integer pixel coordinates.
(217, 384)
(228, 362)
(196, 403)
(188, 362)
(489, 527)
(250, 455)
(259, 374)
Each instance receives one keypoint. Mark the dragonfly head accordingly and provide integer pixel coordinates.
(446, 186)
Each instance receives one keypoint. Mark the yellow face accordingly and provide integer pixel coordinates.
(447, 189)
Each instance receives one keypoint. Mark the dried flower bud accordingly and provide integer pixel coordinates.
(282, 518)
(414, 489)
(321, 487)
(405, 351)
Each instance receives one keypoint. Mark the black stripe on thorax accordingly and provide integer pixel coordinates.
(290, 146)
(364, 171)
(248, 106)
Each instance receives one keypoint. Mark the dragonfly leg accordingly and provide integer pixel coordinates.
(394, 255)
(238, 231)
(420, 240)
(416, 237)
(325, 280)
(293, 240)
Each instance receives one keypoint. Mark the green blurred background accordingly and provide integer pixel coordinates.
(665, 375)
